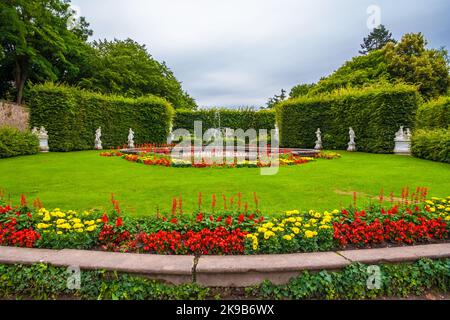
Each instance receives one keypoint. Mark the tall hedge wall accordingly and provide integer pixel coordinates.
(71, 117)
(432, 140)
(431, 144)
(225, 118)
(374, 113)
(434, 114)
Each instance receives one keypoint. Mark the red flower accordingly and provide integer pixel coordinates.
(104, 218)
(174, 220)
(119, 222)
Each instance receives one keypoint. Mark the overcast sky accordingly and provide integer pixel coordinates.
(240, 52)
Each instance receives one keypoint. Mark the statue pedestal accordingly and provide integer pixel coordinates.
(43, 144)
(98, 146)
(403, 147)
(318, 146)
(351, 147)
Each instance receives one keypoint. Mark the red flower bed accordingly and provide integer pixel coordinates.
(362, 233)
(11, 235)
(216, 241)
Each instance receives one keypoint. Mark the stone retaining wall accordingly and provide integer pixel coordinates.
(220, 271)
(14, 115)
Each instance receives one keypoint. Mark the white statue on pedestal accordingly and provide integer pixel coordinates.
(98, 142)
(319, 140)
(170, 137)
(42, 135)
(131, 139)
(402, 141)
(351, 144)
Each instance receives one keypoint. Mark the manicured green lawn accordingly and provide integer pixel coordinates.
(84, 180)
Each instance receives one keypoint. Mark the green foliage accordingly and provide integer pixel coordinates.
(15, 143)
(434, 114)
(225, 118)
(407, 61)
(374, 113)
(41, 281)
(359, 72)
(272, 102)
(376, 40)
(126, 68)
(431, 144)
(411, 62)
(37, 40)
(71, 117)
(397, 280)
(300, 90)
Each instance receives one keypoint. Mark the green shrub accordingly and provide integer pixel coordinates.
(434, 114)
(225, 118)
(396, 280)
(16, 143)
(431, 144)
(71, 117)
(374, 113)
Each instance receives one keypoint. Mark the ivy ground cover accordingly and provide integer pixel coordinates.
(412, 220)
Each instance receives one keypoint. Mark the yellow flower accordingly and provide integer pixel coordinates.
(78, 225)
(262, 230)
(79, 230)
(91, 228)
(268, 234)
(60, 221)
(46, 218)
(310, 234)
(296, 230)
(298, 224)
(287, 237)
(250, 235)
(59, 232)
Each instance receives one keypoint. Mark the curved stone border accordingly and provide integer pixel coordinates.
(220, 271)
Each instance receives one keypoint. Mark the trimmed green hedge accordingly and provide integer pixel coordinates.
(16, 143)
(434, 114)
(71, 117)
(374, 113)
(431, 144)
(226, 118)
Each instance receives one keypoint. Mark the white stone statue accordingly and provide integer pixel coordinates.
(98, 142)
(402, 141)
(319, 140)
(400, 134)
(408, 134)
(35, 131)
(170, 137)
(131, 139)
(351, 144)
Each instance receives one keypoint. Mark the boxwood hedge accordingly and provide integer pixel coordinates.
(16, 143)
(431, 144)
(434, 114)
(71, 117)
(374, 113)
(432, 141)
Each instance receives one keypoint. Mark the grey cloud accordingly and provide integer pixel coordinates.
(240, 52)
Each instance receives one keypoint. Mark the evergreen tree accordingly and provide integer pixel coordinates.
(377, 39)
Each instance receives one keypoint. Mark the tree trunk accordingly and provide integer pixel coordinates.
(20, 78)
